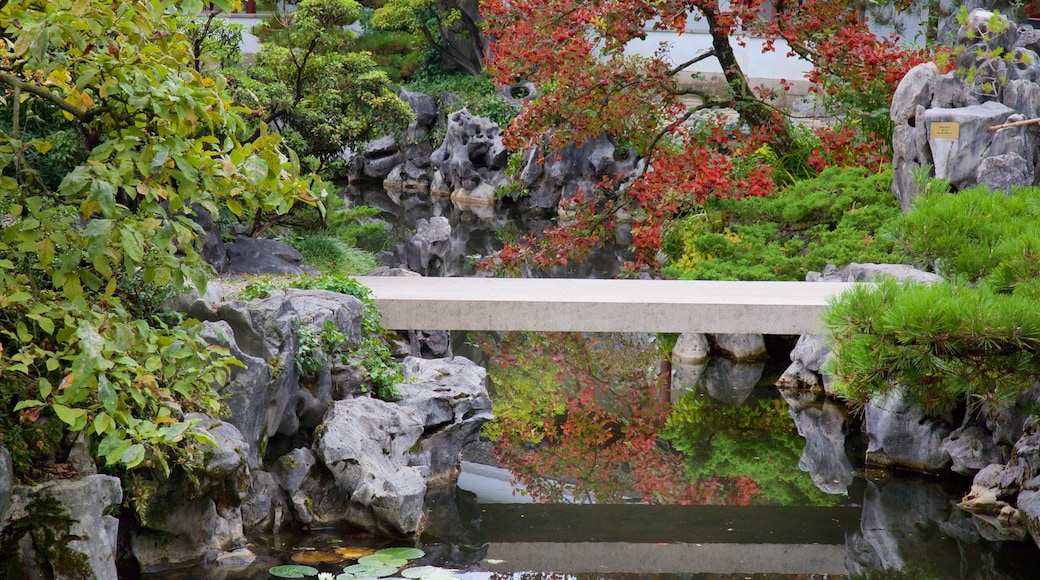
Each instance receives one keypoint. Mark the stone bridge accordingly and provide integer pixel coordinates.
(544, 304)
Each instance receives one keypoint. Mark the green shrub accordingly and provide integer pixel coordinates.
(972, 338)
(838, 217)
(477, 93)
(332, 255)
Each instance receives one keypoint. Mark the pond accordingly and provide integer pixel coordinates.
(604, 463)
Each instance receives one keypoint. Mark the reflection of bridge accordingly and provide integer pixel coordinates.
(662, 539)
(601, 305)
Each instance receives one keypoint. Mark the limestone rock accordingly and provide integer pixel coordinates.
(914, 90)
(899, 435)
(691, 348)
(424, 106)
(808, 358)
(261, 256)
(63, 523)
(6, 482)
(1002, 172)
(310, 489)
(741, 347)
(1002, 88)
(425, 251)
(970, 448)
(451, 398)
(365, 443)
(266, 508)
(194, 531)
(188, 520)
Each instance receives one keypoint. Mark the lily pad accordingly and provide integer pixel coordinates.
(429, 573)
(398, 553)
(292, 571)
(365, 571)
(378, 559)
(312, 557)
(354, 552)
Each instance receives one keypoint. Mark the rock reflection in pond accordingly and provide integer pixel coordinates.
(911, 527)
(725, 381)
(822, 423)
(475, 231)
(582, 419)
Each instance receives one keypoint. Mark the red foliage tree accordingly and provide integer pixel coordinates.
(588, 86)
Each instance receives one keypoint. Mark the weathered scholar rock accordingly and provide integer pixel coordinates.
(6, 481)
(189, 520)
(60, 529)
(263, 334)
(900, 435)
(811, 354)
(383, 456)
(944, 121)
(262, 256)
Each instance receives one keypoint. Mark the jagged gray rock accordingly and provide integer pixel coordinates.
(365, 443)
(425, 252)
(1001, 89)
(62, 525)
(6, 482)
(310, 489)
(970, 448)
(691, 348)
(740, 347)
(188, 520)
(262, 256)
(900, 435)
(450, 395)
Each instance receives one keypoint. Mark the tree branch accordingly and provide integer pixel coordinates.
(16, 83)
(681, 66)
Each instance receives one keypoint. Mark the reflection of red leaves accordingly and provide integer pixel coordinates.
(604, 445)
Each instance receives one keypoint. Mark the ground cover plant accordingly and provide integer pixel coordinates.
(972, 338)
(838, 217)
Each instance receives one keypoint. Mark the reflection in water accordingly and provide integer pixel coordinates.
(592, 420)
(473, 232)
(572, 406)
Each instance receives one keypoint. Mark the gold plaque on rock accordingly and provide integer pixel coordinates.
(945, 130)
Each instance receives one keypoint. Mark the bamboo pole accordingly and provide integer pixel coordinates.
(1015, 124)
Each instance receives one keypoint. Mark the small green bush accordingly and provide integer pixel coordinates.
(974, 337)
(838, 217)
(477, 93)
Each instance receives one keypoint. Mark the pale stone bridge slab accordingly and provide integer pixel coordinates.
(555, 304)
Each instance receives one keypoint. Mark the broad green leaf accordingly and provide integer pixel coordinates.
(71, 417)
(292, 571)
(106, 394)
(15, 298)
(26, 404)
(133, 456)
(103, 423)
(401, 553)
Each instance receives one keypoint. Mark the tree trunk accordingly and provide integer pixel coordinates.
(751, 109)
